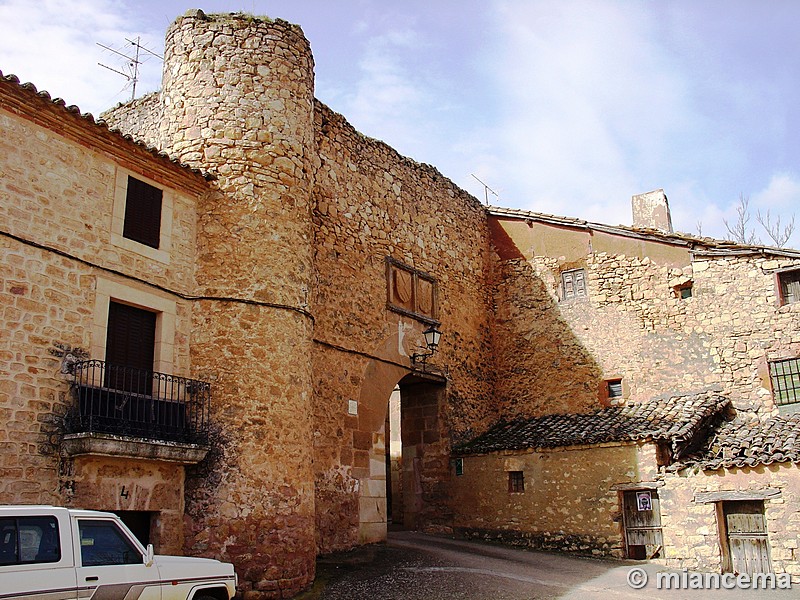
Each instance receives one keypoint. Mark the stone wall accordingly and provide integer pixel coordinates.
(59, 261)
(142, 115)
(691, 529)
(251, 128)
(568, 504)
(371, 204)
(124, 484)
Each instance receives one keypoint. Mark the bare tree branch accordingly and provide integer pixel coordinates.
(779, 235)
(739, 232)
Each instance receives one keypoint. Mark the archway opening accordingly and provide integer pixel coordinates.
(422, 467)
(409, 463)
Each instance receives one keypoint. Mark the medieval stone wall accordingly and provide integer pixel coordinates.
(142, 115)
(237, 102)
(371, 204)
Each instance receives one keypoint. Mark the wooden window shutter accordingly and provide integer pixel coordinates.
(580, 284)
(569, 285)
(790, 286)
(143, 213)
(130, 347)
(573, 284)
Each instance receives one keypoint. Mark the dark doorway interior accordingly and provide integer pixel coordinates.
(138, 521)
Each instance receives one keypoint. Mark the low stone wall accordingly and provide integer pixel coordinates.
(583, 545)
(570, 501)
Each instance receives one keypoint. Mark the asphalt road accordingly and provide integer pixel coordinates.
(414, 566)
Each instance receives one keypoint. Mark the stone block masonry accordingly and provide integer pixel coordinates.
(237, 102)
(301, 270)
(57, 252)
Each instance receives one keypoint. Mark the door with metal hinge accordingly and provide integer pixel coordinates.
(641, 516)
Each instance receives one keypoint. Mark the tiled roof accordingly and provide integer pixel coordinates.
(698, 245)
(745, 442)
(675, 419)
(89, 119)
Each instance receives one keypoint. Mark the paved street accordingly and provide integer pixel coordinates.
(413, 566)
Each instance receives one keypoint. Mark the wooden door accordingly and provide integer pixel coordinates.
(746, 533)
(642, 523)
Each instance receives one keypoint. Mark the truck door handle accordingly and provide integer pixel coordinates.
(94, 578)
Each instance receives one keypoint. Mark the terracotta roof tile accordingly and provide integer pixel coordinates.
(746, 442)
(90, 120)
(675, 419)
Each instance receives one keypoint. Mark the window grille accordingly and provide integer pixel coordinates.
(516, 482)
(785, 375)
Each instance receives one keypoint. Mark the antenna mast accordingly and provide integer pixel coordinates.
(133, 62)
(486, 190)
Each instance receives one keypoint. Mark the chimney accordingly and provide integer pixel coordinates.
(651, 211)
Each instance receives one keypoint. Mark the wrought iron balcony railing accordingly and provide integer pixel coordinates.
(134, 402)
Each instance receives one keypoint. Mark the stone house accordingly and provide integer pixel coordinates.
(210, 296)
(643, 318)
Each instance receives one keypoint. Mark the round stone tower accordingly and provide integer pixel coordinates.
(238, 103)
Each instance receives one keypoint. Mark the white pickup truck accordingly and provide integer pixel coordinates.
(53, 553)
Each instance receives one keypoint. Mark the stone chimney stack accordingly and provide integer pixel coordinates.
(651, 211)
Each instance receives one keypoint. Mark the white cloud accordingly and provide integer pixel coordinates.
(782, 193)
(777, 205)
(52, 44)
(389, 98)
(590, 99)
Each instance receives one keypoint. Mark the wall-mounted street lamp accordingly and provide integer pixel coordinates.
(432, 336)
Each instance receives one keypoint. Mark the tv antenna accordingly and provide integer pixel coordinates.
(486, 190)
(131, 72)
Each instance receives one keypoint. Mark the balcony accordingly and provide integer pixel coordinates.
(132, 412)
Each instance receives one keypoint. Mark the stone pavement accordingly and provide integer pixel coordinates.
(414, 566)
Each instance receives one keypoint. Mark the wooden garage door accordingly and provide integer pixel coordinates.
(746, 529)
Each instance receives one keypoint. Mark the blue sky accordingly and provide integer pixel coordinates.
(564, 107)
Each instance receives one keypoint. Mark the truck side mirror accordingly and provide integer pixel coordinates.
(148, 557)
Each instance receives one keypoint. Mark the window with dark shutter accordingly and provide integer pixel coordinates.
(130, 348)
(790, 286)
(143, 213)
(573, 284)
(614, 389)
